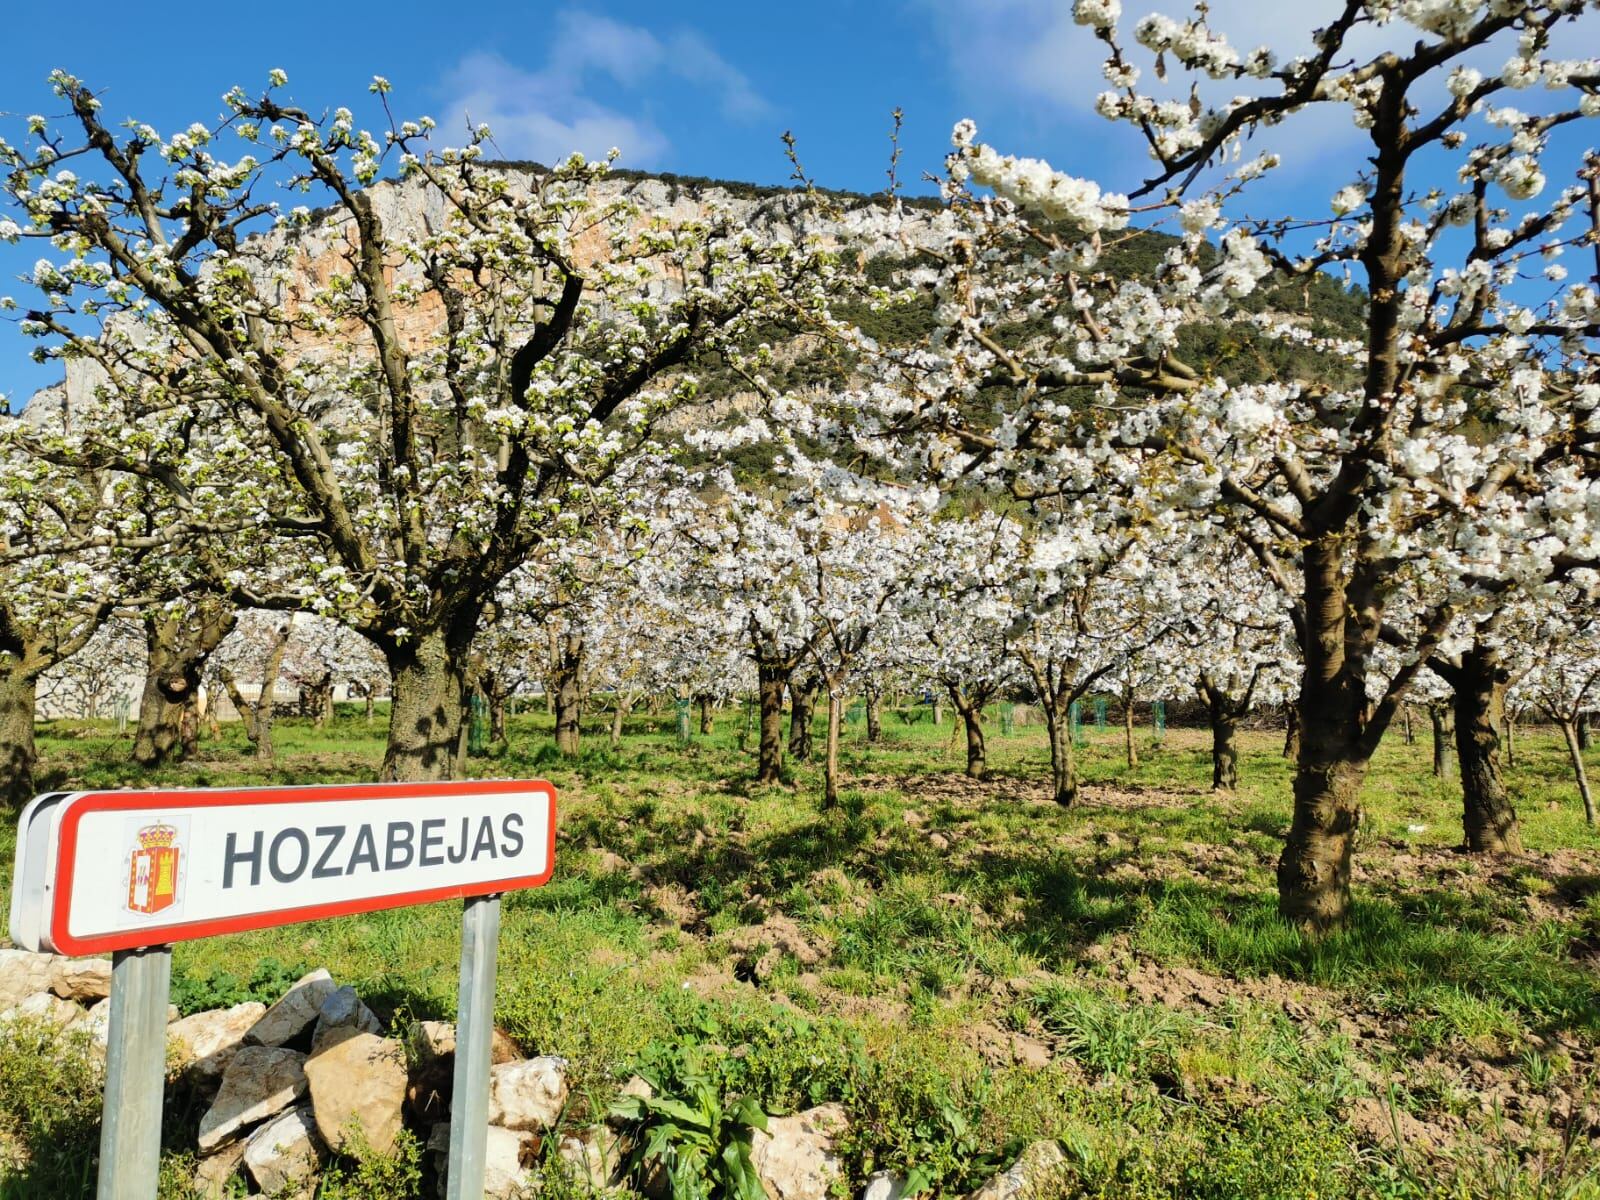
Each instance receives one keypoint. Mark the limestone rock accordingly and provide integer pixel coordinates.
(82, 979)
(433, 1053)
(285, 1154)
(504, 1175)
(883, 1185)
(432, 1040)
(1028, 1177)
(23, 974)
(260, 1081)
(341, 1015)
(97, 1021)
(294, 1012)
(795, 1157)
(593, 1156)
(214, 1171)
(47, 1007)
(639, 1086)
(502, 1049)
(358, 1082)
(206, 1042)
(528, 1094)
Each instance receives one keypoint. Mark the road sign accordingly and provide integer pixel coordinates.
(196, 863)
(133, 872)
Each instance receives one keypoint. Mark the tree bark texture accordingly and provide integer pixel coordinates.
(1478, 685)
(178, 648)
(802, 706)
(773, 680)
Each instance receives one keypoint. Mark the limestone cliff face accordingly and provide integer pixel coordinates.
(293, 263)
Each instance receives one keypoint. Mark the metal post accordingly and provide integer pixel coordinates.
(136, 1068)
(469, 1101)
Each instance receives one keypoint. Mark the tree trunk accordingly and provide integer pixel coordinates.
(1314, 868)
(178, 650)
(189, 728)
(1127, 732)
(773, 681)
(1063, 772)
(1479, 688)
(1583, 731)
(830, 762)
(155, 739)
(1291, 730)
(938, 711)
(319, 701)
(428, 705)
(707, 725)
(1569, 730)
(618, 715)
(497, 715)
(566, 687)
(802, 702)
(372, 699)
(1224, 749)
(874, 716)
(1443, 718)
(17, 754)
(1511, 741)
(972, 718)
(257, 716)
(1405, 717)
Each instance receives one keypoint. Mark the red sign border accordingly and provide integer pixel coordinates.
(78, 806)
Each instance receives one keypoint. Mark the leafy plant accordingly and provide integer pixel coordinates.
(197, 991)
(700, 1140)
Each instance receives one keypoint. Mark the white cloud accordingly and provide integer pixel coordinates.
(1033, 51)
(578, 99)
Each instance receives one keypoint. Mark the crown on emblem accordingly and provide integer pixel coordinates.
(152, 836)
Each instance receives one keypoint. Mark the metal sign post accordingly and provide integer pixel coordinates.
(136, 1070)
(469, 1095)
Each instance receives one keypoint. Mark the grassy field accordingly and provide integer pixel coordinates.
(965, 966)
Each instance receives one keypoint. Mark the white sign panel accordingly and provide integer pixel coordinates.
(126, 869)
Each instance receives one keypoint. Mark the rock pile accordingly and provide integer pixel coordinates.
(313, 1073)
(316, 1073)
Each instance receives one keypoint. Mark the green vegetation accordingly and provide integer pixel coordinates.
(964, 967)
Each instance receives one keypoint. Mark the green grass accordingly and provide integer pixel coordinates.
(890, 955)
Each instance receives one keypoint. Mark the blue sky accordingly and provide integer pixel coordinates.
(696, 88)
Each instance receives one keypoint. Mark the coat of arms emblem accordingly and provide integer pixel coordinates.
(153, 872)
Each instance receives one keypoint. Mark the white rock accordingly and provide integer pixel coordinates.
(593, 1156)
(23, 974)
(430, 1041)
(795, 1157)
(46, 1006)
(206, 1042)
(83, 979)
(97, 1021)
(212, 1174)
(359, 1081)
(284, 1155)
(639, 1086)
(260, 1081)
(294, 1012)
(504, 1176)
(1029, 1176)
(883, 1185)
(528, 1094)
